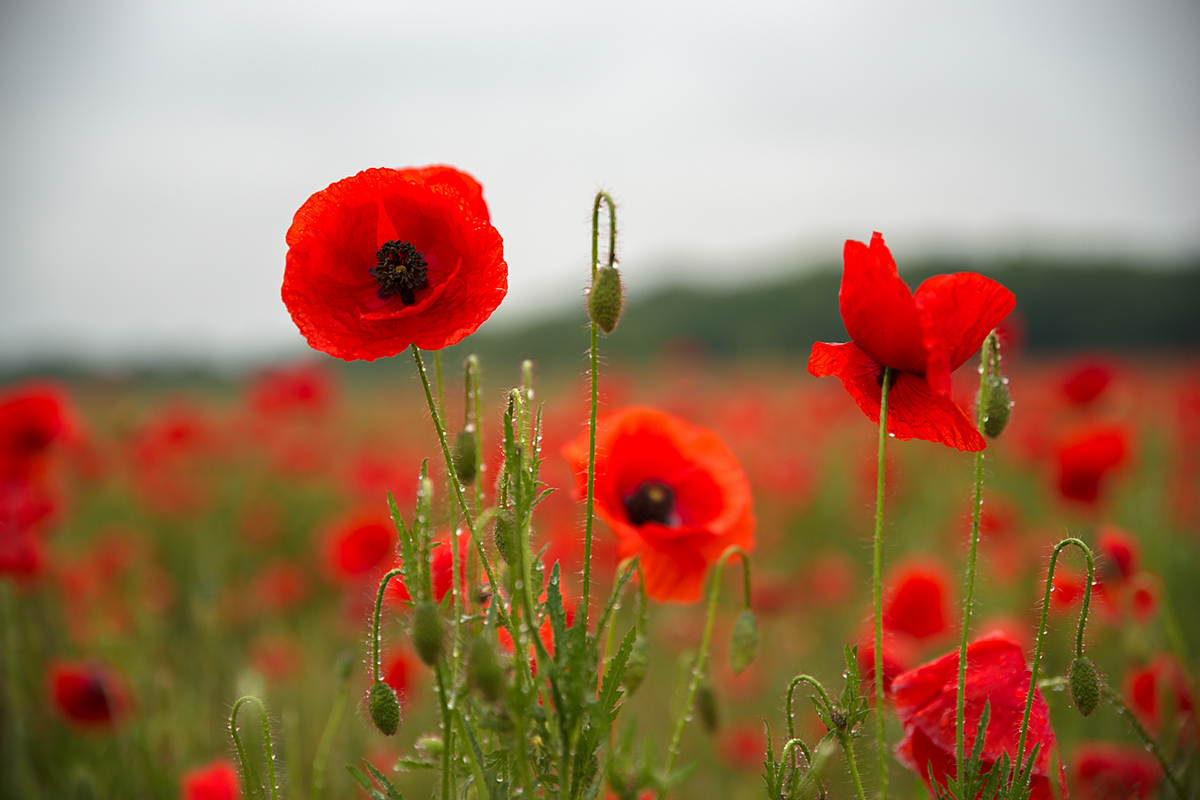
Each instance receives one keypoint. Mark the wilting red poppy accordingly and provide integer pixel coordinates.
(1085, 458)
(217, 780)
(923, 336)
(87, 694)
(388, 258)
(926, 698)
(359, 544)
(917, 596)
(671, 493)
(1087, 383)
(1115, 772)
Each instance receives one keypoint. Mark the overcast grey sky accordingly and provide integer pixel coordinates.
(152, 153)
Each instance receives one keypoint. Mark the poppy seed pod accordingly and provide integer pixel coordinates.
(744, 644)
(1084, 682)
(428, 633)
(464, 456)
(636, 665)
(483, 670)
(384, 708)
(999, 406)
(606, 299)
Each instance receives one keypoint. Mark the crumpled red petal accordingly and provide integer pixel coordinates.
(878, 308)
(915, 411)
(957, 312)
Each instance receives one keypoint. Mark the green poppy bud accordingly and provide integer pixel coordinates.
(1084, 682)
(463, 456)
(428, 633)
(606, 299)
(429, 744)
(744, 644)
(484, 672)
(636, 665)
(384, 708)
(706, 706)
(999, 406)
(505, 535)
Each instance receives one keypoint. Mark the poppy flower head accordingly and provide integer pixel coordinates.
(32, 418)
(1086, 383)
(672, 493)
(357, 545)
(1119, 555)
(996, 676)
(917, 600)
(1115, 772)
(217, 780)
(388, 258)
(1085, 459)
(922, 336)
(87, 694)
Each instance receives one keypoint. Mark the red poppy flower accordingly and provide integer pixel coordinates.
(389, 258)
(215, 781)
(359, 544)
(917, 594)
(32, 418)
(1115, 772)
(441, 574)
(1087, 383)
(898, 655)
(924, 336)
(304, 388)
(1085, 458)
(1146, 688)
(926, 698)
(744, 746)
(1118, 555)
(398, 672)
(87, 694)
(671, 493)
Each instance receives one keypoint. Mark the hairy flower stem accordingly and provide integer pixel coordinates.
(455, 558)
(471, 404)
(876, 583)
(331, 729)
(594, 373)
(248, 771)
(960, 714)
(375, 622)
(1041, 635)
(848, 746)
(448, 788)
(714, 591)
(1146, 738)
(843, 736)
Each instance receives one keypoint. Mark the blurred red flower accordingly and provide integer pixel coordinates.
(898, 655)
(744, 746)
(1115, 772)
(441, 569)
(217, 780)
(1085, 458)
(280, 587)
(916, 599)
(1118, 559)
(671, 493)
(925, 700)
(87, 694)
(33, 417)
(924, 336)
(1086, 383)
(302, 389)
(388, 258)
(1146, 687)
(398, 672)
(357, 544)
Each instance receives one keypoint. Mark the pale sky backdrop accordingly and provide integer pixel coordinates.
(152, 153)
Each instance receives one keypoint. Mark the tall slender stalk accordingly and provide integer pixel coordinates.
(968, 602)
(876, 582)
(331, 728)
(1147, 740)
(248, 771)
(594, 373)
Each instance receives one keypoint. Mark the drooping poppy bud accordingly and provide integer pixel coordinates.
(636, 665)
(999, 406)
(464, 456)
(706, 706)
(483, 670)
(606, 299)
(428, 633)
(743, 645)
(384, 708)
(1084, 682)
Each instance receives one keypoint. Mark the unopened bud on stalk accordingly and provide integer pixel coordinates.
(706, 706)
(744, 644)
(606, 299)
(999, 406)
(505, 534)
(464, 456)
(636, 665)
(384, 708)
(1084, 682)
(428, 633)
(484, 672)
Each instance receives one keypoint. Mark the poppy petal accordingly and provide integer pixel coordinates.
(878, 308)
(957, 313)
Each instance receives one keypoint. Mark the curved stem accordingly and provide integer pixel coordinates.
(968, 603)
(702, 657)
(247, 769)
(375, 621)
(1041, 636)
(594, 375)
(1147, 740)
(796, 681)
(876, 582)
(331, 729)
(789, 762)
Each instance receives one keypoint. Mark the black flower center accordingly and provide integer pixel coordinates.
(652, 502)
(400, 270)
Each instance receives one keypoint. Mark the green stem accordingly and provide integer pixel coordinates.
(247, 769)
(1041, 635)
(331, 729)
(375, 621)
(789, 761)
(796, 681)
(1147, 740)
(701, 658)
(876, 582)
(848, 745)
(594, 374)
(471, 402)
(448, 788)
(968, 603)
(16, 697)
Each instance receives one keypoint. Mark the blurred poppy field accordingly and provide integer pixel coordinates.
(166, 548)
